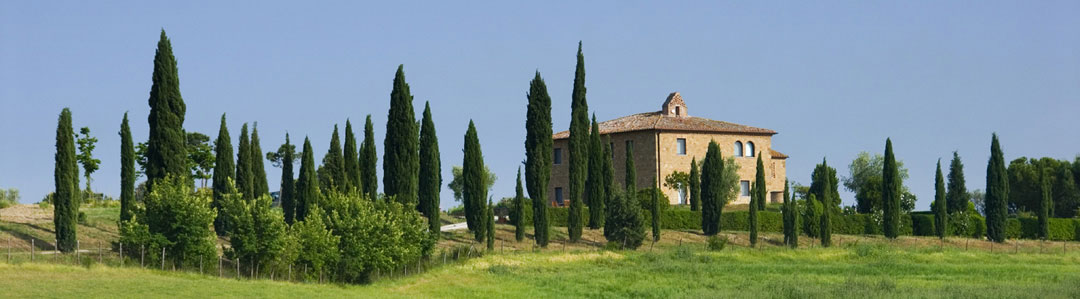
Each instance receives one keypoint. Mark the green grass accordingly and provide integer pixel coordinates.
(864, 270)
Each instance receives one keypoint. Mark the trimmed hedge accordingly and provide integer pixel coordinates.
(917, 224)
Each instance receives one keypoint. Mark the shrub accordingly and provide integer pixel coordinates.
(314, 239)
(183, 218)
(375, 236)
(457, 211)
(82, 218)
(716, 243)
(923, 224)
(626, 221)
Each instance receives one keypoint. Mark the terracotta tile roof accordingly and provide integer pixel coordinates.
(777, 155)
(657, 121)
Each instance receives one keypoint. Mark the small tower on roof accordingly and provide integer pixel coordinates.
(674, 106)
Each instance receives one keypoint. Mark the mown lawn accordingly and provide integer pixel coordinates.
(853, 271)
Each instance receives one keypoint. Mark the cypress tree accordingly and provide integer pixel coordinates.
(826, 228)
(489, 218)
(473, 189)
(1045, 205)
(538, 154)
(127, 171)
(824, 187)
(224, 175)
(578, 148)
(941, 215)
(757, 197)
(695, 185)
(890, 193)
(66, 180)
(711, 194)
(760, 177)
(307, 184)
(401, 155)
(594, 184)
(351, 160)
(791, 217)
(258, 168)
(610, 204)
(630, 175)
(519, 208)
(288, 184)
(166, 153)
(332, 173)
(368, 158)
(957, 196)
(430, 171)
(656, 212)
(245, 181)
(997, 193)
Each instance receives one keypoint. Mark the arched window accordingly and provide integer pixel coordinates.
(750, 149)
(738, 149)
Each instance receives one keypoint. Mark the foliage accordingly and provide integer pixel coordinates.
(626, 222)
(654, 208)
(1045, 206)
(224, 174)
(351, 162)
(521, 213)
(375, 235)
(757, 200)
(694, 182)
(957, 195)
(258, 167)
(317, 243)
(245, 179)
(135, 234)
(474, 192)
(430, 181)
(1026, 177)
(791, 219)
(257, 233)
(866, 179)
(538, 157)
(9, 197)
(630, 171)
(401, 153)
(200, 156)
(183, 218)
(288, 183)
(277, 158)
(595, 185)
(997, 192)
(368, 159)
(578, 148)
(812, 210)
(332, 172)
(127, 172)
(165, 151)
(891, 184)
(489, 225)
(713, 195)
(716, 243)
(940, 205)
(66, 196)
(457, 183)
(307, 184)
(86, 145)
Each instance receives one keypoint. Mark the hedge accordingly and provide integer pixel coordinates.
(917, 224)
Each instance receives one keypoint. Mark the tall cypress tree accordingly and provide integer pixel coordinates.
(890, 193)
(711, 194)
(258, 168)
(166, 153)
(66, 180)
(332, 173)
(594, 184)
(941, 215)
(538, 154)
(224, 175)
(610, 205)
(824, 188)
(791, 217)
(401, 154)
(307, 184)
(695, 185)
(1045, 204)
(473, 190)
(519, 209)
(245, 179)
(351, 160)
(579, 148)
(368, 158)
(997, 193)
(655, 211)
(957, 195)
(127, 171)
(489, 220)
(757, 197)
(288, 184)
(826, 228)
(430, 171)
(630, 175)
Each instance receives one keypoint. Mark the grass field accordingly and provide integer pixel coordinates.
(678, 266)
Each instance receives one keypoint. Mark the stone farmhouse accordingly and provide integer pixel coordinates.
(666, 141)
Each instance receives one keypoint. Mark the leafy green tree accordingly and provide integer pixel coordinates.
(890, 193)
(165, 150)
(307, 184)
(224, 175)
(940, 206)
(85, 157)
(595, 189)
(1045, 206)
(66, 181)
(184, 218)
(695, 185)
(997, 193)
(518, 217)
(127, 172)
(625, 221)
(457, 183)
(245, 178)
(288, 183)
(957, 195)
(351, 160)
(630, 175)
(473, 189)
(257, 234)
(713, 194)
(538, 154)
(489, 225)
(368, 158)
(1026, 177)
(430, 183)
(317, 242)
(866, 182)
(757, 197)
(277, 158)
(332, 173)
(258, 168)
(578, 149)
(655, 209)
(200, 156)
(401, 153)
(375, 236)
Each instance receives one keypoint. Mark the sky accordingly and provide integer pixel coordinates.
(834, 78)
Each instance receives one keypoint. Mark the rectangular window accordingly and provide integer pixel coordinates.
(681, 146)
(682, 196)
(558, 156)
(558, 196)
(744, 188)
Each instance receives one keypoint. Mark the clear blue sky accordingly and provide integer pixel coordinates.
(834, 78)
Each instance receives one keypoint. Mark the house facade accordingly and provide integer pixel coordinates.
(668, 140)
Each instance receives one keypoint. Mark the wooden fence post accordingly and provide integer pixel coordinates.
(121, 254)
(78, 259)
(31, 249)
